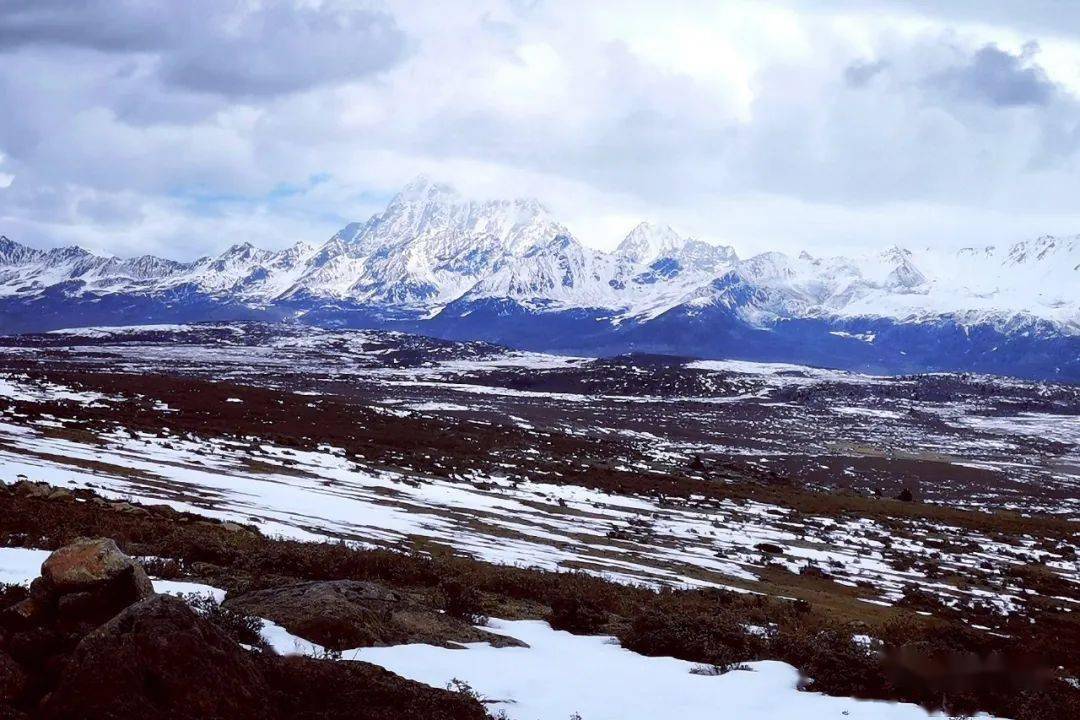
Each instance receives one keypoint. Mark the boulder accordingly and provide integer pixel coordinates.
(158, 659)
(309, 689)
(89, 564)
(12, 679)
(345, 614)
(337, 614)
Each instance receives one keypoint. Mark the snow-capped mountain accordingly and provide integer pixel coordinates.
(429, 247)
(508, 271)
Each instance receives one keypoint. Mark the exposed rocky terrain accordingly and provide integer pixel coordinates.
(92, 639)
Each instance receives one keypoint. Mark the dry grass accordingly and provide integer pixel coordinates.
(706, 626)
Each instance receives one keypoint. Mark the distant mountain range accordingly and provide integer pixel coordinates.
(509, 272)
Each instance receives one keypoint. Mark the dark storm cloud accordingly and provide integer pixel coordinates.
(213, 46)
(118, 25)
(999, 78)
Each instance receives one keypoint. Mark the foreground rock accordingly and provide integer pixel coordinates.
(12, 679)
(344, 614)
(91, 564)
(310, 689)
(91, 641)
(158, 658)
(81, 586)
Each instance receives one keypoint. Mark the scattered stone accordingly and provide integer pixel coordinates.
(126, 507)
(32, 489)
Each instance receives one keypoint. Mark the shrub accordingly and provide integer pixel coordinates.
(709, 636)
(577, 614)
(241, 627)
(463, 601)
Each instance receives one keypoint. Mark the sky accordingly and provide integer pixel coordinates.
(147, 126)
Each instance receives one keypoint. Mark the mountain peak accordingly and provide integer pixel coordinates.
(648, 242)
(13, 253)
(422, 189)
(69, 252)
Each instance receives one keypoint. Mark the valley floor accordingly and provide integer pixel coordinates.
(734, 483)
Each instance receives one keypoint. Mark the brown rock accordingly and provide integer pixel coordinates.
(94, 563)
(128, 508)
(12, 679)
(158, 659)
(338, 614)
(344, 614)
(80, 604)
(23, 614)
(309, 689)
(32, 489)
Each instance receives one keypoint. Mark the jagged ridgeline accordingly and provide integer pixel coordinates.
(508, 271)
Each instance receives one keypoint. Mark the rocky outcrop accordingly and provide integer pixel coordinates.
(157, 658)
(91, 565)
(12, 679)
(317, 690)
(81, 586)
(338, 614)
(90, 640)
(344, 614)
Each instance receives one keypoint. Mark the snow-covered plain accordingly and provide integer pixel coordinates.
(318, 495)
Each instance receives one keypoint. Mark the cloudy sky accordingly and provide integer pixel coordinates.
(179, 128)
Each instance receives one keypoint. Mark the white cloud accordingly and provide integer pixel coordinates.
(768, 125)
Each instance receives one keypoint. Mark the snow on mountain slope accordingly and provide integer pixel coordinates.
(560, 273)
(1039, 278)
(431, 247)
(1034, 279)
(245, 272)
(647, 243)
(651, 271)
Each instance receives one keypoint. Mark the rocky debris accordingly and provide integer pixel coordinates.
(36, 489)
(126, 507)
(157, 658)
(32, 489)
(82, 585)
(343, 614)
